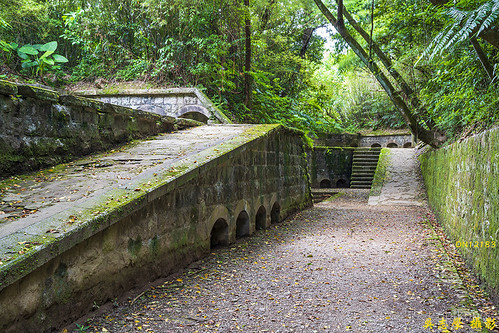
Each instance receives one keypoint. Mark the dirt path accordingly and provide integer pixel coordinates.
(341, 266)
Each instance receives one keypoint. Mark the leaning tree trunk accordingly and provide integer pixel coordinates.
(428, 136)
(408, 93)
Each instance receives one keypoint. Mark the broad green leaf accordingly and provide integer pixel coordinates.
(46, 54)
(28, 64)
(49, 61)
(50, 46)
(22, 55)
(60, 58)
(28, 49)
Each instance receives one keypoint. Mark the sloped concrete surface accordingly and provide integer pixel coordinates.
(403, 184)
(39, 208)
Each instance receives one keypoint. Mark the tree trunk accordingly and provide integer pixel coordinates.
(423, 134)
(305, 42)
(247, 65)
(484, 60)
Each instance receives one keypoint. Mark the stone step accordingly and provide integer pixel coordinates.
(361, 186)
(357, 183)
(364, 168)
(362, 173)
(361, 178)
(370, 164)
(365, 159)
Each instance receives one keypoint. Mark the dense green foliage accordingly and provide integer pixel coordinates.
(182, 43)
(430, 46)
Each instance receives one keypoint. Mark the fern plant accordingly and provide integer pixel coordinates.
(464, 25)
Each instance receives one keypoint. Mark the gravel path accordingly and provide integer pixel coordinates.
(341, 266)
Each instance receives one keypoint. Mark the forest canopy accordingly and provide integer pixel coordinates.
(267, 61)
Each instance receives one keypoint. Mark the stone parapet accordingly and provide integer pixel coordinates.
(40, 127)
(164, 210)
(174, 102)
(462, 181)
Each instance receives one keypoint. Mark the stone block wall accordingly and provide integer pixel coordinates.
(462, 181)
(40, 127)
(337, 140)
(331, 167)
(213, 197)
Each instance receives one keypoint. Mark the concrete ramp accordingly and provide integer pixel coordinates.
(402, 183)
(85, 232)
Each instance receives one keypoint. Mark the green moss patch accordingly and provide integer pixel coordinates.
(381, 173)
(462, 184)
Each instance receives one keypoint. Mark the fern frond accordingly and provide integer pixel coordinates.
(464, 25)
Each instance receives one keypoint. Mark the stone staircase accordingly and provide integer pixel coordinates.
(364, 165)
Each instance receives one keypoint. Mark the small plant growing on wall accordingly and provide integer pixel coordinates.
(39, 58)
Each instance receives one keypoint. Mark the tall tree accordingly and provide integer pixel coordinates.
(247, 62)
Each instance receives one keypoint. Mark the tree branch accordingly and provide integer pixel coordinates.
(387, 63)
(423, 134)
(341, 21)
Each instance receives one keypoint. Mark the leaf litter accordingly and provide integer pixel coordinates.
(340, 266)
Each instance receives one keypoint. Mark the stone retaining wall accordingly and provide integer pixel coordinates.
(462, 181)
(387, 141)
(153, 227)
(40, 127)
(188, 103)
(331, 167)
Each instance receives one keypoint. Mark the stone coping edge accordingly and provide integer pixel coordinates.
(379, 176)
(13, 89)
(206, 102)
(64, 230)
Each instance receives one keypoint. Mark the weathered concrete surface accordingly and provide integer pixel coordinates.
(462, 181)
(92, 229)
(40, 128)
(402, 184)
(175, 102)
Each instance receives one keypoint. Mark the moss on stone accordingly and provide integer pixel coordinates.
(462, 184)
(380, 173)
(38, 93)
(339, 160)
(8, 88)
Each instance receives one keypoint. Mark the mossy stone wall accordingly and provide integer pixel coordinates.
(331, 163)
(462, 181)
(128, 238)
(40, 127)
